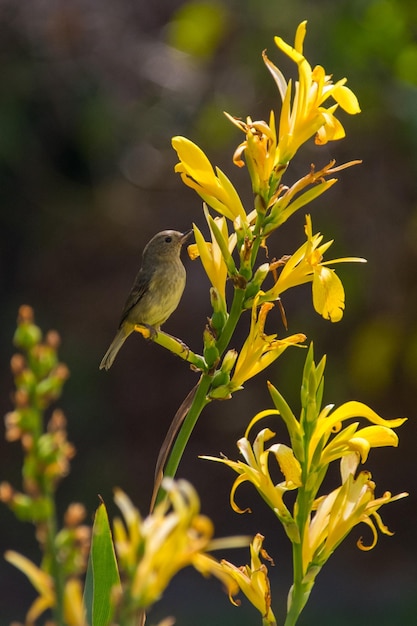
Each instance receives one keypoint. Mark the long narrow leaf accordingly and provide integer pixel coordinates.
(102, 572)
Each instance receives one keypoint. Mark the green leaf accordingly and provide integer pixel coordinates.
(102, 572)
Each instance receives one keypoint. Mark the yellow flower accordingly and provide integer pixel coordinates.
(211, 254)
(259, 349)
(303, 114)
(255, 469)
(42, 582)
(153, 550)
(253, 580)
(127, 534)
(260, 151)
(350, 439)
(327, 441)
(337, 513)
(74, 612)
(212, 186)
(306, 265)
(288, 200)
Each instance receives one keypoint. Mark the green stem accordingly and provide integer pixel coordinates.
(174, 345)
(55, 565)
(200, 399)
(51, 557)
(235, 313)
(299, 591)
(199, 402)
(301, 588)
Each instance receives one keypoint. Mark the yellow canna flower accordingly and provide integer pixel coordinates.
(339, 512)
(253, 580)
(350, 439)
(287, 200)
(255, 469)
(151, 551)
(74, 611)
(259, 349)
(307, 265)
(42, 582)
(260, 151)
(303, 114)
(327, 441)
(211, 254)
(127, 533)
(212, 186)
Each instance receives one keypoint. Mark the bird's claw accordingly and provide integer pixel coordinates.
(147, 331)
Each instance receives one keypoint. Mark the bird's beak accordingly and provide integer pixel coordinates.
(186, 236)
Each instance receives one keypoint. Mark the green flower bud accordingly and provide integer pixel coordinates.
(26, 380)
(27, 336)
(217, 321)
(211, 353)
(220, 393)
(220, 379)
(219, 317)
(49, 389)
(29, 419)
(256, 283)
(43, 360)
(229, 361)
(30, 509)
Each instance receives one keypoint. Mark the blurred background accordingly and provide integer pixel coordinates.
(91, 94)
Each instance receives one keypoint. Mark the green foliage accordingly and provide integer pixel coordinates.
(103, 581)
(198, 27)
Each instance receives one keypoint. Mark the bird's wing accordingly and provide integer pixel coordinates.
(139, 288)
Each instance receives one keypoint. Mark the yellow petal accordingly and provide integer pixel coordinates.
(193, 252)
(42, 582)
(288, 464)
(74, 611)
(353, 409)
(195, 161)
(300, 36)
(332, 130)
(328, 294)
(346, 98)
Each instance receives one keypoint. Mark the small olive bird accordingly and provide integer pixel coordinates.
(157, 289)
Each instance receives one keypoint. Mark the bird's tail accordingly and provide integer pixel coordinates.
(116, 344)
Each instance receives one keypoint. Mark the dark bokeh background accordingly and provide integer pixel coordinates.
(91, 93)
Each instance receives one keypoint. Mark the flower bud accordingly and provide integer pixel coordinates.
(256, 283)
(220, 379)
(53, 339)
(17, 364)
(74, 515)
(48, 389)
(6, 492)
(219, 317)
(211, 353)
(25, 314)
(45, 359)
(27, 336)
(229, 361)
(220, 393)
(21, 398)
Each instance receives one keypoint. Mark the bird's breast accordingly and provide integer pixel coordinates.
(162, 296)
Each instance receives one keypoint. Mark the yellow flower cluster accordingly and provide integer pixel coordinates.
(317, 524)
(152, 550)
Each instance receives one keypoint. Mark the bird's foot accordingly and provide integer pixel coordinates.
(147, 331)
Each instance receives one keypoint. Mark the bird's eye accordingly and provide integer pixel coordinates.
(168, 239)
